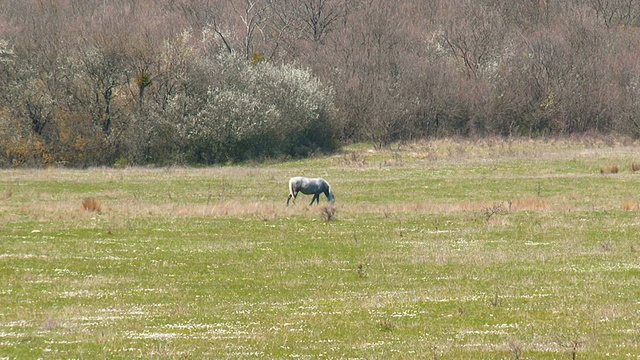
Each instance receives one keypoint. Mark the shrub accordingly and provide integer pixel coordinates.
(261, 111)
(328, 212)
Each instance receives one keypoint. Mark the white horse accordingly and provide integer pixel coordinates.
(308, 186)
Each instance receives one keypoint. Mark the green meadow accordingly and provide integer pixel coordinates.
(447, 249)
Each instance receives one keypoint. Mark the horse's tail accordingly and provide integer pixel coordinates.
(291, 189)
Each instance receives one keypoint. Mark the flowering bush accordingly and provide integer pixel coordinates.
(259, 111)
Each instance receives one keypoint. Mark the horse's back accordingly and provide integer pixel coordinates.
(296, 182)
(308, 183)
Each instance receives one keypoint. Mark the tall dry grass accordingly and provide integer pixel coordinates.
(630, 205)
(613, 169)
(92, 204)
(6, 195)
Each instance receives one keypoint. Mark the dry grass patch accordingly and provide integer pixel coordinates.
(635, 167)
(6, 195)
(528, 203)
(265, 210)
(390, 209)
(613, 169)
(518, 204)
(92, 204)
(467, 205)
(43, 211)
(630, 205)
(352, 159)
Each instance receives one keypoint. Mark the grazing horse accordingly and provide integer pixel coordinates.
(308, 186)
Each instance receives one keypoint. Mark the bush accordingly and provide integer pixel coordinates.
(261, 111)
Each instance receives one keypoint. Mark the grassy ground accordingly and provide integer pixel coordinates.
(491, 249)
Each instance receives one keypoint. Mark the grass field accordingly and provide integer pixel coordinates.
(492, 249)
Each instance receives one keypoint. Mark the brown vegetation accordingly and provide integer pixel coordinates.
(630, 205)
(92, 204)
(613, 169)
(328, 212)
(528, 203)
(100, 82)
(6, 195)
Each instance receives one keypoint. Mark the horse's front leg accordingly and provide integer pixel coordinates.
(316, 197)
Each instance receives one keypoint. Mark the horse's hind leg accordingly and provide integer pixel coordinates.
(292, 196)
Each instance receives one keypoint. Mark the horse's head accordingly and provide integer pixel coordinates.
(331, 198)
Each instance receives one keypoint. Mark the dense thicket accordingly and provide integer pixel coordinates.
(205, 81)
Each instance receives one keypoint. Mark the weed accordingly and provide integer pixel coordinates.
(361, 272)
(50, 323)
(209, 195)
(635, 167)
(606, 246)
(489, 212)
(434, 352)
(515, 348)
(396, 160)
(495, 301)
(386, 325)
(121, 163)
(328, 212)
(573, 345)
(352, 159)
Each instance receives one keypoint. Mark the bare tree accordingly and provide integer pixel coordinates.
(319, 16)
(617, 12)
(473, 35)
(252, 15)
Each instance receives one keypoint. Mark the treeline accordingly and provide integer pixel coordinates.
(208, 81)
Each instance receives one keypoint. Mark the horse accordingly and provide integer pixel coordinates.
(308, 186)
